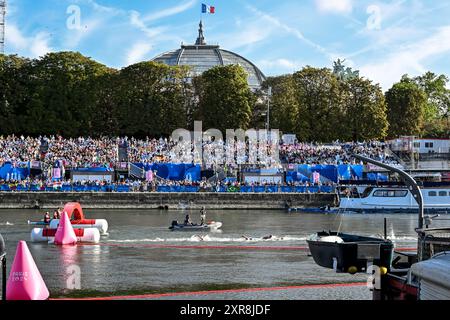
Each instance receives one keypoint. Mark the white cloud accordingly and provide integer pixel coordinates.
(32, 46)
(138, 22)
(138, 52)
(295, 32)
(74, 37)
(169, 11)
(410, 59)
(39, 44)
(284, 64)
(335, 6)
(15, 38)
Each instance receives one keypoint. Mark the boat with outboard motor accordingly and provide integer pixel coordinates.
(210, 226)
(349, 253)
(425, 273)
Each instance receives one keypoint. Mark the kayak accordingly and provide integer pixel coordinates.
(38, 223)
(195, 227)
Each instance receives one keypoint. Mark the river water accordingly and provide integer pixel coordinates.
(141, 255)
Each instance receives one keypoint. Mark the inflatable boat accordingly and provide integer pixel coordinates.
(100, 224)
(195, 227)
(76, 216)
(91, 235)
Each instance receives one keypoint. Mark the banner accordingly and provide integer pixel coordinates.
(149, 176)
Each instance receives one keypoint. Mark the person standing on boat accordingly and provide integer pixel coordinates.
(202, 216)
(60, 210)
(47, 217)
(187, 220)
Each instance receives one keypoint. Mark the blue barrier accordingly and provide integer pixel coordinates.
(123, 189)
(78, 188)
(34, 187)
(163, 189)
(174, 189)
(191, 189)
(259, 189)
(66, 188)
(21, 188)
(287, 189)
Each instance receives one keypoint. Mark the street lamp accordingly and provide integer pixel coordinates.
(269, 94)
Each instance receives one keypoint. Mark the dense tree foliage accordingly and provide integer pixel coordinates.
(364, 111)
(283, 104)
(225, 100)
(437, 109)
(317, 95)
(406, 108)
(150, 99)
(321, 105)
(70, 94)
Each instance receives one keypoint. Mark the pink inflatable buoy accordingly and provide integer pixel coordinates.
(25, 281)
(65, 234)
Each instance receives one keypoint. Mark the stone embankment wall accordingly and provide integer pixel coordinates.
(139, 200)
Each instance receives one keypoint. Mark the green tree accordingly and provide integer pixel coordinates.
(106, 106)
(318, 99)
(14, 92)
(150, 99)
(283, 103)
(438, 104)
(406, 108)
(225, 100)
(364, 111)
(62, 88)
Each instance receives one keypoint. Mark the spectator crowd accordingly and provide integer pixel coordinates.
(103, 152)
(86, 152)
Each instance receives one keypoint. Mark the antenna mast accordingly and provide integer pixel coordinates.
(2, 25)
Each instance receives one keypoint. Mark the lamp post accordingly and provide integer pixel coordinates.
(269, 94)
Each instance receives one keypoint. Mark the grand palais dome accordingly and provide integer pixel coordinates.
(202, 57)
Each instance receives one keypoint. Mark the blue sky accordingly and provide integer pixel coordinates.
(383, 39)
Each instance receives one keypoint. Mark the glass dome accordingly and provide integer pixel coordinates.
(202, 57)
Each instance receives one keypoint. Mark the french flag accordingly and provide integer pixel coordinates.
(208, 9)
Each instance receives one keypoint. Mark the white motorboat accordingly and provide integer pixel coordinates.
(379, 199)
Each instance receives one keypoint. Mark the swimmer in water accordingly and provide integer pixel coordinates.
(246, 238)
(267, 237)
(200, 237)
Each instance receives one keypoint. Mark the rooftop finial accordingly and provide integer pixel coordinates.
(201, 39)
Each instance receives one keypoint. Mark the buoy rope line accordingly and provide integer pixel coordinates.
(229, 247)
